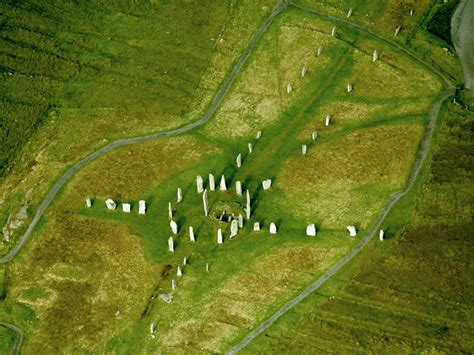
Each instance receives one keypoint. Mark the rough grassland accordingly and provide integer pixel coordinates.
(410, 293)
(101, 261)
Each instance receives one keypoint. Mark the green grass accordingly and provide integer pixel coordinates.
(83, 265)
(409, 293)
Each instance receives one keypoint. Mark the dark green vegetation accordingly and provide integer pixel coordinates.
(440, 22)
(413, 292)
(140, 59)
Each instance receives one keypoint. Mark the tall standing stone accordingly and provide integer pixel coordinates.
(349, 13)
(205, 203)
(266, 184)
(397, 30)
(238, 160)
(304, 149)
(333, 31)
(141, 207)
(212, 182)
(222, 185)
(304, 70)
(191, 234)
(126, 207)
(171, 244)
(381, 235)
(289, 88)
(88, 202)
(238, 188)
(174, 227)
(248, 207)
(273, 228)
(111, 205)
(375, 56)
(234, 228)
(352, 231)
(170, 210)
(328, 119)
(179, 195)
(250, 148)
(199, 184)
(314, 135)
(220, 239)
(173, 284)
(179, 272)
(256, 226)
(241, 221)
(319, 51)
(349, 87)
(259, 134)
(311, 230)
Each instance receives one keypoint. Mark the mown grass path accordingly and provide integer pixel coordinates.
(419, 160)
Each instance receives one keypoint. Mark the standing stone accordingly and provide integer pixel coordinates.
(238, 188)
(171, 244)
(174, 227)
(207, 267)
(205, 203)
(199, 184)
(170, 210)
(238, 160)
(411, 12)
(173, 284)
(256, 226)
(179, 272)
(241, 221)
(88, 202)
(273, 228)
(152, 328)
(304, 70)
(318, 53)
(349, 13)
(314, 135)
(212, 182)
(381, 235)
(111, 205)
(222, 185)
(248, 207)
(179, 195)
(333, 31)
(191, 234)
(304, 149)
(397, 30)
(250, 148)
(141, 207)
(220, 240)
(126, 207)
(289, 88)
(349, 87)
(328, 119)
(185, 261)
(352, 231)
(375, 56)
(259, 134)
(311, 230)
(234, 228)
(266, 184)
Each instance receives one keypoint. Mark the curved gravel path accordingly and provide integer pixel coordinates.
(18, 336)
(419, 160)
(52, 193)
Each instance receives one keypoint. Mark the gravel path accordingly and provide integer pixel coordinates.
(419, 160)
(18, 336)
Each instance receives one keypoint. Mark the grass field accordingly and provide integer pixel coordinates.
(410, 293)
(91, 279)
